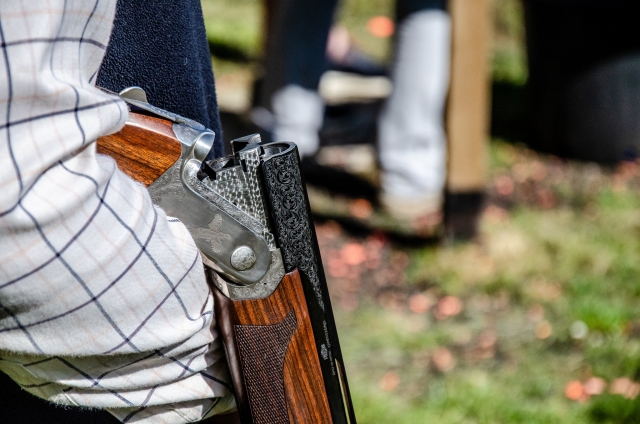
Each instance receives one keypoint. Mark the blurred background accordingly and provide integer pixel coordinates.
(519, 301)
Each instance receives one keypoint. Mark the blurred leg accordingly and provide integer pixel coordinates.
(295, 61)
(411, 134)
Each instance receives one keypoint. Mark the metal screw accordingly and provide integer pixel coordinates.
(243, 258)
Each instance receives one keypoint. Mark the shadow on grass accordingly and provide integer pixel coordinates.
(356, 227)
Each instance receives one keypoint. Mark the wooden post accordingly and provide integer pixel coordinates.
(467, 121)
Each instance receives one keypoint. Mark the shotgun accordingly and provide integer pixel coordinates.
(249, 216)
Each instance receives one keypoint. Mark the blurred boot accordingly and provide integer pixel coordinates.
(298, 114)
(412, 141)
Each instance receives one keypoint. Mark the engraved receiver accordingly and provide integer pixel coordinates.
(249, 216)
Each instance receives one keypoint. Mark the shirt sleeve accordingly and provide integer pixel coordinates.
(103, 300)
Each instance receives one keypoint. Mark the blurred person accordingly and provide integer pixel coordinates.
(411, 138)
(583, 59)
(103, 299)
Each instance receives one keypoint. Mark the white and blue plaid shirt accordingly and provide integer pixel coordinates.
(103, 300)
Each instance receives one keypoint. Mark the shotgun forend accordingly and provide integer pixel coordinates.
(249, 216)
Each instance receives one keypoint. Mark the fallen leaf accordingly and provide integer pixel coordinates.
(594, 386)
(361, 208)
(381, 26)
(626, 387)
(443, 359)
(390, 381)
(504, 185)
(449, 306)
(574, 390)
(353, 254)
(543, 330)
(420, 303)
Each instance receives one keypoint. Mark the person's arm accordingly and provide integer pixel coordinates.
(103, 300)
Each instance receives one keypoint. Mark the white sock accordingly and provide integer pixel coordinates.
(411, 134)
(298, 116)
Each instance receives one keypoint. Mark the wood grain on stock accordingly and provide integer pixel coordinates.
(144, 148)
(306, 401)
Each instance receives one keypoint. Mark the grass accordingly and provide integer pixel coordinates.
(536, 265)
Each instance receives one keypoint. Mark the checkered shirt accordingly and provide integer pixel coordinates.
(103, 300)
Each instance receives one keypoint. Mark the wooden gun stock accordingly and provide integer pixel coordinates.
(270, 347)
(270, 344)
(144, 148)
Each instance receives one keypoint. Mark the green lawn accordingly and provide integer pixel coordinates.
(539, 268)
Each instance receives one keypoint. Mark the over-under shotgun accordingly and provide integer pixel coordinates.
(249, 216)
